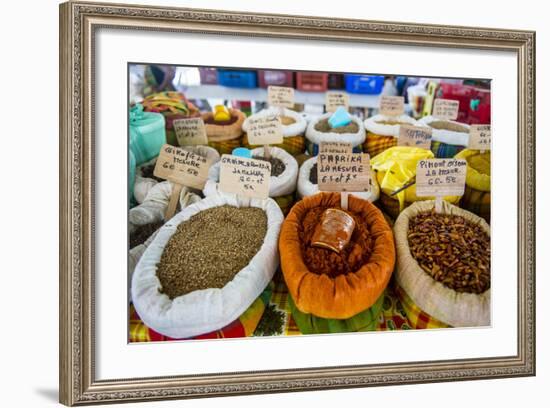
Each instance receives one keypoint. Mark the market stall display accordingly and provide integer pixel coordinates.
(307, 183)
(294, 126)
(383, 132)
(319, 130)
(284, 173)
(395, 171)
(177, 310)
(379, 260)
(224, 134)
(333, 285)
(448, 137)
(443, 263)
(477, 195)
(173, 106)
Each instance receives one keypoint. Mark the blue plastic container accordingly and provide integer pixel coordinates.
(364, 84)
(147, 134)
(237, 79)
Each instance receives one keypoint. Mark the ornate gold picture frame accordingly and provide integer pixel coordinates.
(78, 24)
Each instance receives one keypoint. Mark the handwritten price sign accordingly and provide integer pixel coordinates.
(245, 177)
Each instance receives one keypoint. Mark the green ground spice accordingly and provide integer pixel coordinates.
(210, 248)
(324, 126)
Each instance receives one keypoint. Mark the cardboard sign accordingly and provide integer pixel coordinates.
(245, 177)
(480, 137)
(344, 172)
(280, 96)
(265, 130)
(415, 136)
(392, 105)
(190, 132)
(446, 109)
(182, 167)
(440, 177)
(333, 100)
(335, 147)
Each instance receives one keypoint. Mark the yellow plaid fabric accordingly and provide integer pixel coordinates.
(226, 146)
(418, 319)
(293, 145)
(478, 202)
(375, 144)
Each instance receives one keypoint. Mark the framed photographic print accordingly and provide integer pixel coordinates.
(256, 203)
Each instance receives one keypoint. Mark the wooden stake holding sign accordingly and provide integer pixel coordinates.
(344, 172)
(440, 178)
(480, 138)
(280, 97)
(333, 100)
(182, 168)
(245, 177)
(190, 132)
(446, 109)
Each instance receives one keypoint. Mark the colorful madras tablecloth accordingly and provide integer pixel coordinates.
(270, 315)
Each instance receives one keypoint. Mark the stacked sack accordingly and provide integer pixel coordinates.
(323, 301)
(448, 137)
(293, 125)
(430, 298)
(383, 132)
(318, 131)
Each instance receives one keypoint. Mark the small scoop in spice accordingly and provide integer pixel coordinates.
(334, 231)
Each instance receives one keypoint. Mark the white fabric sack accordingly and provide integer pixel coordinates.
(294, 129)
(203, 311)
(143, 185)
(307, 188)
(374, 125)
(153, 207)
(450, 137)
(283, 184)
(314, 136)
(446, 305)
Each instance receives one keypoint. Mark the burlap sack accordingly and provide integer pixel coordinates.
(219, 133)
(453, 308)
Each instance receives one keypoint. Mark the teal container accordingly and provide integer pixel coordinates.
(363, 321)
(147, 134)
(131, 176)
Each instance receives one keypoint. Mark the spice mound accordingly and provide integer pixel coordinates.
(325, 261)
(324, 126)
(286, 120)
(210, 248)
(277, 165)
(452, 250)
(444, 125)
(143, 232)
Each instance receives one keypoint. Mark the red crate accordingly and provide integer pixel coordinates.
(311, 81)
(277, 78)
